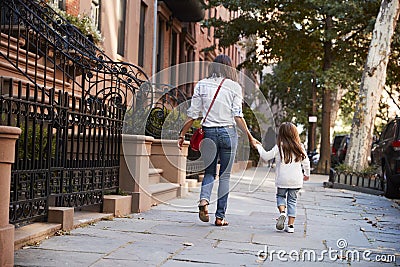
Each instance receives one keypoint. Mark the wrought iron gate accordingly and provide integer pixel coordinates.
(69, 99)
(68, 153)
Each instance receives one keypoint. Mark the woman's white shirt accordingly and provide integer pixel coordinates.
(227, 105)
(287, 175)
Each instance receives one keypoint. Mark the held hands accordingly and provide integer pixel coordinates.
(254, 142)
(306, 178)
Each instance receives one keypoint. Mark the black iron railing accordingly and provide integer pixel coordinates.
(69, 99)
(167, 114)
(358, 179)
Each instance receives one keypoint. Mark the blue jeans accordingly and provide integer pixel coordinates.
(218, 143)
(291, 195)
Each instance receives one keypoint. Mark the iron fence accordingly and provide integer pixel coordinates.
(70, 100)
(359, 180)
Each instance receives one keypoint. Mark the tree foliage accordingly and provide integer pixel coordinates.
(293, 37)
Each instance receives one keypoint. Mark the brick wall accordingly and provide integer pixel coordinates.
(72, 7)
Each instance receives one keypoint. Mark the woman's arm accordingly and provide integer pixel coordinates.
(185, 128)
(241, 123)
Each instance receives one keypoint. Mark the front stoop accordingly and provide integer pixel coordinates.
(117, 205)
(162, 192)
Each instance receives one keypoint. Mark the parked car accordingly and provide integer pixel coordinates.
(335, 146)
(386, 154)
(342, 150)
(313, 156)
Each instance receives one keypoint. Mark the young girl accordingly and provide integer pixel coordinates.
(291, 159)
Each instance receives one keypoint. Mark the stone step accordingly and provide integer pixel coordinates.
(193, 183)
(15, 46)
(27, 63)
(7, 69)
(13, 41)
(155, 176)
(163, 192)
(12, 49)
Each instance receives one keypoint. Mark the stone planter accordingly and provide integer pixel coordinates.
(8, 136)
(117, 205)
(166, 155)
(134, 170)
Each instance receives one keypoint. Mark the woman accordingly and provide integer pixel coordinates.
(220, 138)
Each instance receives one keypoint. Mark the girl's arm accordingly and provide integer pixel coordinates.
(306, 167)
(266, 155)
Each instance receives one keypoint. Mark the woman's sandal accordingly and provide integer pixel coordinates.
(203, 213)
(221, 222)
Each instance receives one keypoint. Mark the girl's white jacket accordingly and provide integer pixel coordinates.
(287, 175)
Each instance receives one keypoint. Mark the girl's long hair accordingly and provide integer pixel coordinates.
(222, 67)
(289, 143)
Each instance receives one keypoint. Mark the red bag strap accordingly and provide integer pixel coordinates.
(212, 102)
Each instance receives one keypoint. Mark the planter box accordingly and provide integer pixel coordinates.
(134, 170)
(118, 205)
(166, 155)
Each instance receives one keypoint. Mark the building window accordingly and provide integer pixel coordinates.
(58, 3)
(174, 54)
(143, 9)
(95, 13)
(160, 46)
(121, 27)
(201, 69)
(209, 28)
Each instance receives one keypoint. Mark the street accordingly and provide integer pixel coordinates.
(333, 228)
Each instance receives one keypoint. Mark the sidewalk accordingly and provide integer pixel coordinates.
(172, 235)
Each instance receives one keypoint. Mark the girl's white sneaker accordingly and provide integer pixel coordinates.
(290, 229)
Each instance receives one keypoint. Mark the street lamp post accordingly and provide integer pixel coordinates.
(312, 118)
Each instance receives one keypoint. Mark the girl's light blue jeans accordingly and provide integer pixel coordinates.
(287, 197)
(218, 143)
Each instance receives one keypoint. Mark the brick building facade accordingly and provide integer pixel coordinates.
(130, 34)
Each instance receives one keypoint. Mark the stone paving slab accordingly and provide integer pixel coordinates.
(123, 226)
(44, 258)
(121, 263)
(81, 243)
(218, 256)
(184, 263)
(172, 235)
(181, 229)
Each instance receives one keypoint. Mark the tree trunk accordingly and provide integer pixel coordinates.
(324, 163)
(336, 98)
(372, 84)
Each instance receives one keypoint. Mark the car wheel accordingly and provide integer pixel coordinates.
(388, 188)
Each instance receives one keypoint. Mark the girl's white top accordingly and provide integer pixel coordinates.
(227, 105)
(287, 175)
